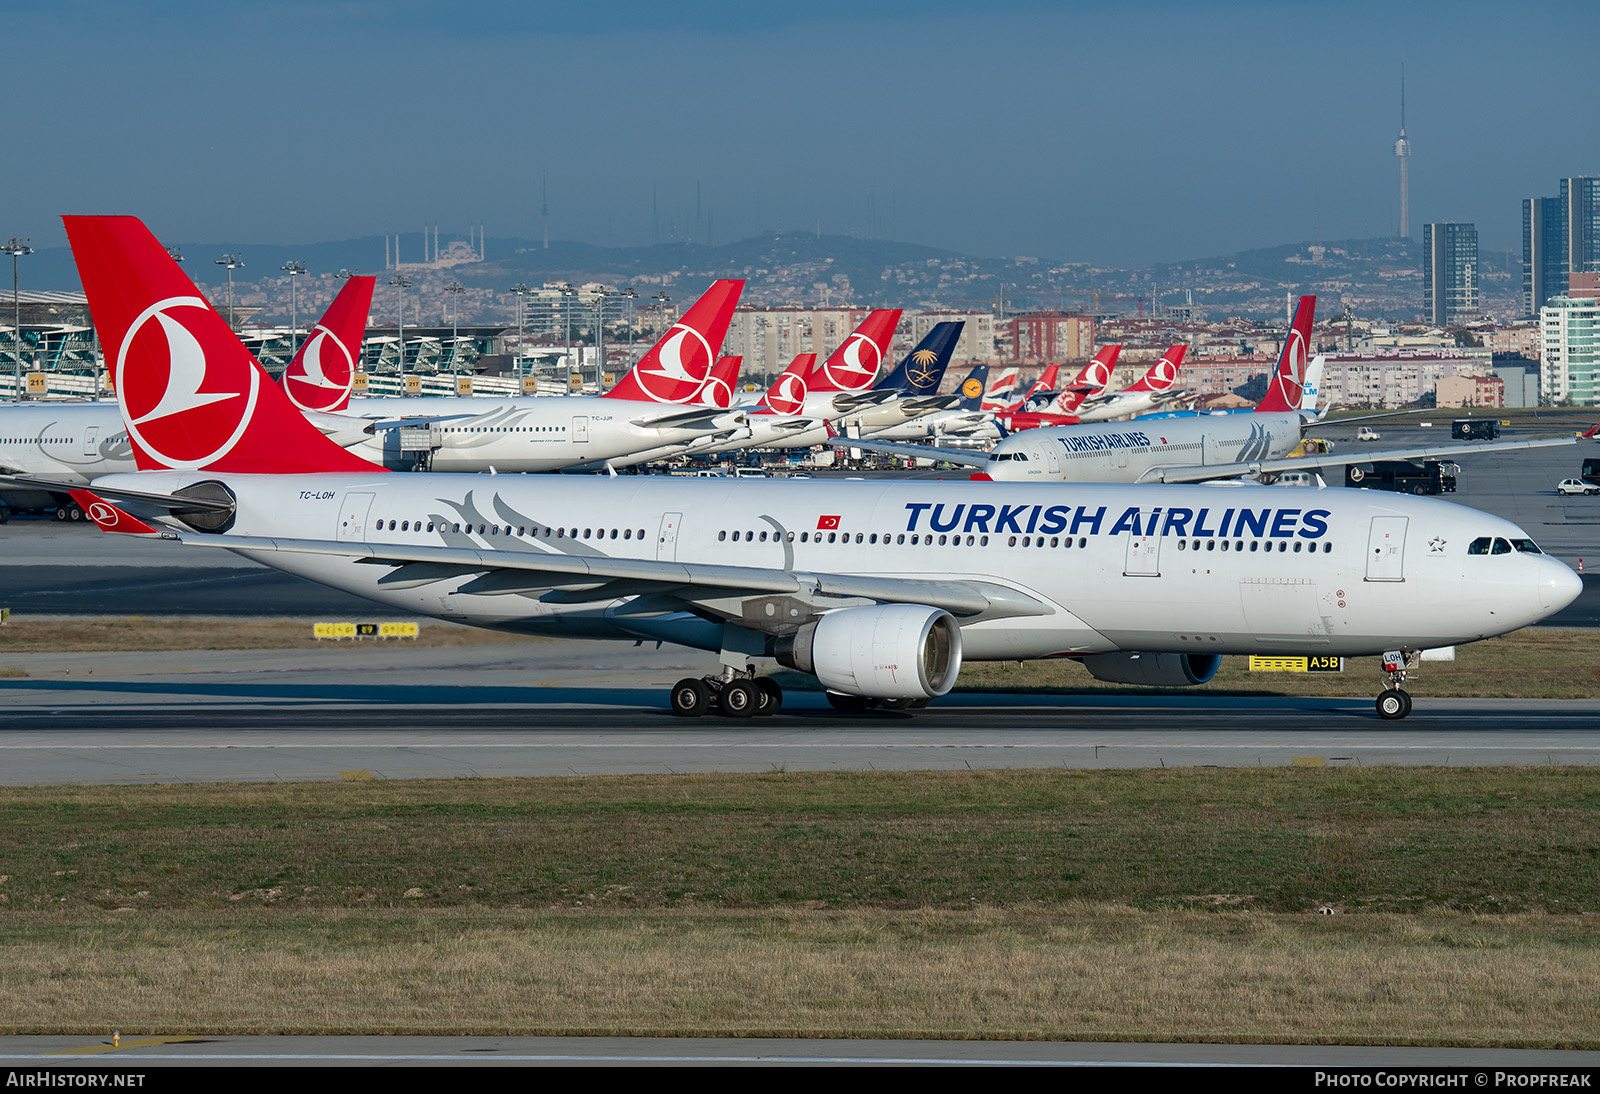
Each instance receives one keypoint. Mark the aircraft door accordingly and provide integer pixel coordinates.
(1386, 549)
(580, 429)
(667, 541)
(91, 439)
(1144, 557)
(353, 516)
(1052, 457)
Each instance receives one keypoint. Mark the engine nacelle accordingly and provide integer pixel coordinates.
(1159, 670)
(893, 651)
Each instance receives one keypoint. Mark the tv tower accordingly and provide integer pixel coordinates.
(1402, 149)
(544, 207)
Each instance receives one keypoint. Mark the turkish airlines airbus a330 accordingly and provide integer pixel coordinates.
(879, 589)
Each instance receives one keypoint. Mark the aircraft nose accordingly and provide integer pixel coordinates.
(1558, 585)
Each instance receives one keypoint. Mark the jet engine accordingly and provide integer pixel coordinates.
(893, 651)
(1159, 670)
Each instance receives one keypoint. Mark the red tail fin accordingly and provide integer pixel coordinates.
(787, 395)
(1287, 381)
(854, 365)
(677, 366)
(718, 391)
(324, 370)
(1164, 373)
(191, 394)
(1094, 379)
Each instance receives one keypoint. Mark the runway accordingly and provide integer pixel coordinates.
(571, 708)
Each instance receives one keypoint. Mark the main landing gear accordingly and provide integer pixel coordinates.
(1392, 702)
(734, 694)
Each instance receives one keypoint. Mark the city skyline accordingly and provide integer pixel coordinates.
(1083, 132)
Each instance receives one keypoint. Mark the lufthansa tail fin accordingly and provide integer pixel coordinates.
(677, 366)
(192, 396)
(323, 372)
(971, 389)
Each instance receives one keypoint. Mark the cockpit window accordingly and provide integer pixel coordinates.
(1021, 457)
(1479, 546)
(1526, 546)
(1501, 547)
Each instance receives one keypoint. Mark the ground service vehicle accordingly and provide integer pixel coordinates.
(1475, 429)
(1403, 476)
(1577, 486)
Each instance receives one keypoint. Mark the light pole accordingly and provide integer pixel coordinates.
(16, 248)
(232, 262)
(455, 289)
(293, 269)
(567, 293)
(520, 291)
(401, 283)
(630, 296)
(600, 335)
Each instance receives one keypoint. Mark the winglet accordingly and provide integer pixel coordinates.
(109, 517)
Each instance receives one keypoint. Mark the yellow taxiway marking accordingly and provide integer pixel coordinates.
(107, 1046)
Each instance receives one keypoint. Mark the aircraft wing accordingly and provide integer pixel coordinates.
(916, 451)
(700, 417)
(1331, 459)
(558, 578)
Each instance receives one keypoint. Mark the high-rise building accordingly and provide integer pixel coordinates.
(1569, 330)
(1580, 224)
(1543, 252)
(1450, 272)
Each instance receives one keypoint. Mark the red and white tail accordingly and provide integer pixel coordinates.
(718, 391)
(1093, 380)
(677, 366)
(1046, 381)
(854, 365)
(1164, 373)
(1287, 382)
(192, 396)
(324, 370)
(787, 395)
(1002, 384)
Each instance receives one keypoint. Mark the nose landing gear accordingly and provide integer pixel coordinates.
(1392, 702)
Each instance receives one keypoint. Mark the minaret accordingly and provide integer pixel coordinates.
(1402, 149)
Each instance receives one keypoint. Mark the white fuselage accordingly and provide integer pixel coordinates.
(68, 442)
(539, 433)
(1188, 569)
(1129, 451)
(1122, 404)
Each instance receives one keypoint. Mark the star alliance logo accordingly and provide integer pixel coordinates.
(1436, 545)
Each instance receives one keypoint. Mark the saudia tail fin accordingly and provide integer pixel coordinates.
(787, 395)
(854, 365)
(192, 396)
(923, 368)
(718, 391)
(677, 366)
(324, 370)
(1164, 373)
(1286, 382)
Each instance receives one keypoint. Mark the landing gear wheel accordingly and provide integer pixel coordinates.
(769, 697)
(1393, 703)
(61, 512)
(690, 698)
(855, 704)
(739, 699)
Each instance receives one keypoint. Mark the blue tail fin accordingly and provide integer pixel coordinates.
(923, 367)
(971, 389)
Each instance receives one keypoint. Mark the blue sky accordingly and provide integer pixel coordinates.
(1114, 133)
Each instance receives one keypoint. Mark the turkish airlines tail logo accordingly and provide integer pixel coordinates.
(854, 365)
(788, 393)
(192, 396)
(1285, 388)
(324, 370)
(676, 367)
(1164, 373)
(718, 391)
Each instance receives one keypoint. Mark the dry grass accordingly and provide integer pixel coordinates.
(135, 633)
(1080, 971)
